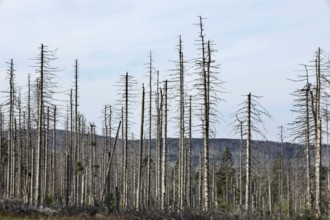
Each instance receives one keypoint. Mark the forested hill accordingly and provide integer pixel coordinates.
(261, 149)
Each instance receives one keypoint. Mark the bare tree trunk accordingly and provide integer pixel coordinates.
(10, 173)
(2, 161)
(71, 154)
(240, 164)
(94, 165)
(200, 181)
(307, 148)
(125, 192)
(46, 158)
(205, 118)
(139, 188)
(288, 192)
(37, 189)
(248, 157)
(159, 104)
(281, 171)
(67, 164)
(106, 150)
(148, 195)
(29, 146)
(21, 154)
(164, 154)
(182, 129)
(54, 170)
(122, 155)
(76, 150)
(110, 162)
(14, 161)
(189, 178)
(111, 181)
(318, 138)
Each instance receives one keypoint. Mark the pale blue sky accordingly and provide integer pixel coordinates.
(260, 44)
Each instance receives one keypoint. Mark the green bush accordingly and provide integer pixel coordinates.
(49, 200)
(307, 214)
(109, 201)
(79, 168)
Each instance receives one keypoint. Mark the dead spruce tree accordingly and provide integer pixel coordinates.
(10, 149)
(316, 112)
(318, 92)
(310, 107)
(250, 113)
(181, 193)
(238, 129)
(178, 93)
(139, 181)
(208, 87)
(30, 149)
(127, 93)
(76, 149)
(164, 151)
(301, 127)
(150, 100)
(159, 123)
(107, 144)
(45, 89)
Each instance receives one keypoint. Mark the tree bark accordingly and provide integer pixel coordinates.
(164, 154)
(318, 138)
(139, 185)
(37, 189)
(248, 157)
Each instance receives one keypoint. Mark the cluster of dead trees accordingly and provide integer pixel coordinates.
(114, 170)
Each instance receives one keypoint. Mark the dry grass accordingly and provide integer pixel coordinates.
(80, 217)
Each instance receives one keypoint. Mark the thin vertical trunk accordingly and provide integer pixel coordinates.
(189, 191)
(269, 195)
(288, 192)
(318, 138)
(37, 189)
(110, 162)
(205, 77)
(200, 181)
(213, 183)
(94, 165)
(21, 154)
(76, 150)
(29, 146)
(2, 157)
(182, 129)
(164, 153)
(67, 163)
(148, 196)
(159, 143)
(174, 194)
(126, 142)
(248, 157)
(281, 171)
(240, 164)
(122, 155)
(54, 169)
(139, 188)
(71, 153)
(46, 160)
(111, 182)
(307, 148)
(158, 138)
(15, 159)
(10, 160)
(106, 150)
